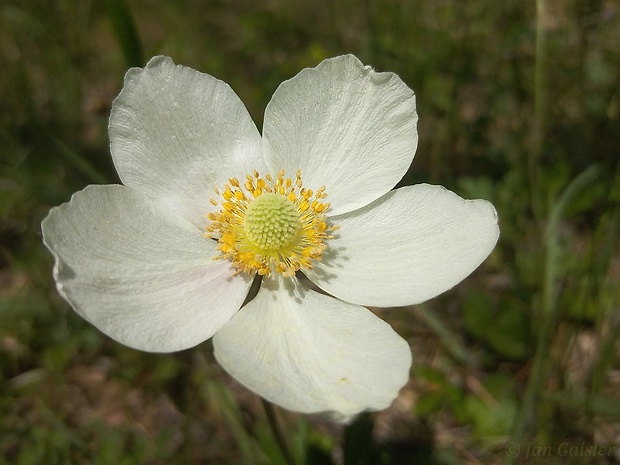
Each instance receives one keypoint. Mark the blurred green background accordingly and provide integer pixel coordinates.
(519, 103)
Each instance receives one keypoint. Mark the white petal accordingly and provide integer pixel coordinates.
(176, 134)
(141, 274)
(407, 247)
(346, 127)
(312, 353)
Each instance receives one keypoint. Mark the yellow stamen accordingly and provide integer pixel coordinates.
(275, 225)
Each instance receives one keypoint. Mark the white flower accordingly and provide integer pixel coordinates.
(137, 260)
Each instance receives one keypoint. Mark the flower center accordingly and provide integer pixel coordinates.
(270, 224)
(271, 221)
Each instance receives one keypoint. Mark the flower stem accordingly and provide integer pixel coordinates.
(272, 417)
(530, 410)
(538, 127)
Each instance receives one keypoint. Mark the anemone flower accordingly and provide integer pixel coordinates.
(165, 261)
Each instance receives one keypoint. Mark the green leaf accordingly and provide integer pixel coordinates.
(126, 33)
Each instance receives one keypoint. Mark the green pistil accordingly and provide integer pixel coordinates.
(271, 221)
